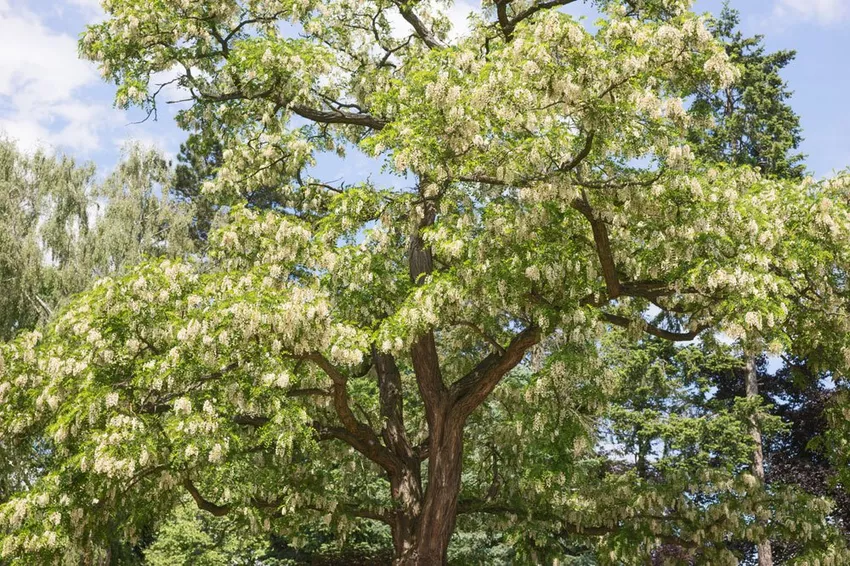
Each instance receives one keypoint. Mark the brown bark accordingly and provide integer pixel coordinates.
(425, 522)
(422, 535)
(447, 410)
(765, 551)
(407, 492)
(444, 473)
(436, 523)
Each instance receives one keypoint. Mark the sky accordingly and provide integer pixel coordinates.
(51, 99)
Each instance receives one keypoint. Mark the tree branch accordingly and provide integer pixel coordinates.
(508, 26)
(502, 17)
(480, 331)
(603, 246)
(338, 117)
(562, 168)
(354, 511)
(333, 116)
(422, 31)
(203, 504)
(363, 513)
(255, 421)
(392, 407)
(423, 351)
(358, 435)
(470, 391)
(653, 330)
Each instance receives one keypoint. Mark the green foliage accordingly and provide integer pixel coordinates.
(753, 124)
(466, 349)
(63, 229)
(197, 161)
(60, 229)
(43, 224)
(192, 538)
(141, 216)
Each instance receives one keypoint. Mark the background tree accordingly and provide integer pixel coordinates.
(142, 216)
(751, 121)
(62, 229)
(43, 226)
(754, 124)
(43, 220)
(197, 162)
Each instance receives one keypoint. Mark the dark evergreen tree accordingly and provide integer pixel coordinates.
(753, 122)
(198, 160)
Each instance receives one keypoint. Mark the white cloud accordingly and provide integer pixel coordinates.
(91, 4)
(824, 12)
(90, 7)
(40, 86)
(458, 13)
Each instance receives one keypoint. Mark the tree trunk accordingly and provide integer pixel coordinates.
(429, 543)
(765, 552)
(421, 538)
(407, 492)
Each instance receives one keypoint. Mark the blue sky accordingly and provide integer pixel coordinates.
(49, 98)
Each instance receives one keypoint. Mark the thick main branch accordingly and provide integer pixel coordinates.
(472, 389)
(405, 7)
(508, 24)
(357, 434)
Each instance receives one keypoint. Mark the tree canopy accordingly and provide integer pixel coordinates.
(43, 209)
(430, 356)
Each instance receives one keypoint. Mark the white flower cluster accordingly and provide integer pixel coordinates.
(280, 380)
(183, 406)
(722, 69)
(680, 156)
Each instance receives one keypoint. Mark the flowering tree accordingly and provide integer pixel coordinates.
(53, 246)
(328, 356)
(53, 243)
